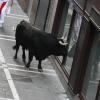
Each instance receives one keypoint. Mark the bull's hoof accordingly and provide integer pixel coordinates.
(40, 70)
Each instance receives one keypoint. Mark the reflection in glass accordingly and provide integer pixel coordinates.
(73, 41)
(92, 77)
(64, 28)
(66, 20)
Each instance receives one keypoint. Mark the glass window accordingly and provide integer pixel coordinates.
(65, 21)
(73, 40)
(64, 32)
(92, 76)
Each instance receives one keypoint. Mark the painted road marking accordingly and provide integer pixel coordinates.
(23, 66)
(9, 78)
(7, 36)
(5, 99)
(36, 72)
(12, 41)
(7, 39)
(49, 70)
(17, 17)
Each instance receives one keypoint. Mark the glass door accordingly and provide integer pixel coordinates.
(92, 77)
(65, 23)
(70, 36)
(74, 33)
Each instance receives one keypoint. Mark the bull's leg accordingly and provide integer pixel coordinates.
(39, 66)
(23, 55)
(17, 48)
(30, 59)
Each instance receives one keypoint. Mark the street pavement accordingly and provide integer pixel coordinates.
(17, 83)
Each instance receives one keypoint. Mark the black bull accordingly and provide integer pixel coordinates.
(39, 44)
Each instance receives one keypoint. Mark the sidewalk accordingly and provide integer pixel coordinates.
(16, 83)
(14, 18)
(5, 89)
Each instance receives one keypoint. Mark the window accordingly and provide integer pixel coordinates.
(92, 76)
(72, 41)
(66, 21)
(74, 33)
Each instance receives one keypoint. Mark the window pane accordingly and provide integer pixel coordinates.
(92, 77)
(64, 31)
(73, 41)
(66, 20)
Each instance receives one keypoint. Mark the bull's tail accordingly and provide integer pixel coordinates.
(14, 47)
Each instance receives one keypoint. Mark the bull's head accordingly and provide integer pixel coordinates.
(62, 41)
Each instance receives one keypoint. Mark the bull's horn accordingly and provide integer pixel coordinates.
(65, 43)
(62, 38)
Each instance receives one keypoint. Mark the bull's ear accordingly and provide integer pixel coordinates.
(63, 43)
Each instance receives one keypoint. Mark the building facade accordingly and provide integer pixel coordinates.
(78, 22)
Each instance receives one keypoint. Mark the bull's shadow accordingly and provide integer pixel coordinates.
(19, 60)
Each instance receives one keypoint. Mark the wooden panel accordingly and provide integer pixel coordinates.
(95, 17)
(92, 3)
(88, 6)
(96, 3)
(80, 3)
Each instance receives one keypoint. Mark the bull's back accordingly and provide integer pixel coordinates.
(31, 37)
(23, 35)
